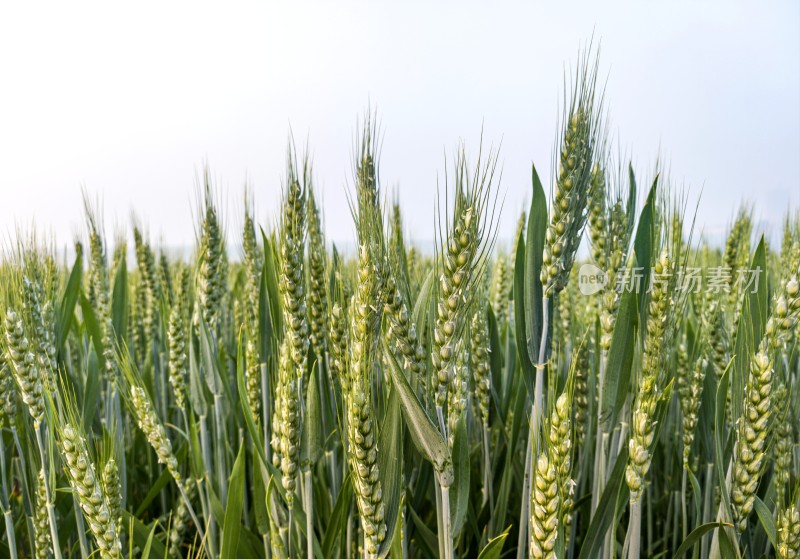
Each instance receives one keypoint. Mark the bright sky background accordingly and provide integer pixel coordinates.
(129, 100)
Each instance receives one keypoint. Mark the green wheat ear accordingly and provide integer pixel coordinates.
(211, 258)
(401, 331)
(99, 293)
(466, 237)
(317, 279)
(788, 526)
(545, 506)
(178, 353)
(85, 477)
(500, 288)
(252, 264)
(753, 427)
(291, 280)
(24, 366)
(581, 128)
(141, 405)
(642, 425)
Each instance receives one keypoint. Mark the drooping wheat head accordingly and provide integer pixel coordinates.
(81, 471)
(180, 522)
(8, 394)
(154, 431)
(24, 366)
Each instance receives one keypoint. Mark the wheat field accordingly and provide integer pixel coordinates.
(271, 396)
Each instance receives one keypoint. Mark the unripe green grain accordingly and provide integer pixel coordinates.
(180, 522)
(560, 451)
(570, 197)
(338, 345)
(598, 226)
(458, 262)
(361, 420)
(112, 488)
(178, 355)
(544, 509)
(8, 394)
(23, 366)
(783, 445)
(479, 362)
(81, 473)
(153, 430)
(788, 533)
(210, 274)
(580, 394)
(291, 279)
(642, 425)
(500, 289)
(401, 330)
(690, 391)
(317, 281)
(288, 427)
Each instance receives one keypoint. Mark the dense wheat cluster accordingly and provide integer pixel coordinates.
(505, 395)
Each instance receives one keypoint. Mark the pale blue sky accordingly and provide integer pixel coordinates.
(129, 100)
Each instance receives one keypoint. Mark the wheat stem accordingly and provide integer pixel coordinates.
(4, 503)
(309, 504)
(51, 509)
(635, 528)
(447, 534)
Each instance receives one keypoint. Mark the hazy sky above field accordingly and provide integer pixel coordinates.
(129, 100)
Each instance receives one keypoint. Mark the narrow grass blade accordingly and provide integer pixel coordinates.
(233, 508)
